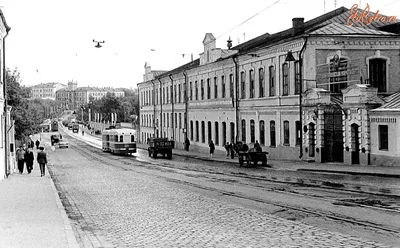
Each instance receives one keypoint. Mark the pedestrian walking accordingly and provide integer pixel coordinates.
(257, 147)
(212, 148)
(42, 161)
(21, 159)
(29, 158)
(83, 132)
(37, 144)
(187, 144)
(228, 149)
(232, 150)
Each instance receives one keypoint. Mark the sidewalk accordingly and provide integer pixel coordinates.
(32, 214)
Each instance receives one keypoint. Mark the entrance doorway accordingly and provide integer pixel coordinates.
(311, 140)
(355, 144)
(333, 136)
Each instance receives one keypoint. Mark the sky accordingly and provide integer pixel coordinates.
(52, 40)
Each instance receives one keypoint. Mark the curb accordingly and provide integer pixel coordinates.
(352, 173)
(69, 233)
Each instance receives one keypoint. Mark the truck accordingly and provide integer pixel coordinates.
(75, 127)
(55, 139)
(160, 146)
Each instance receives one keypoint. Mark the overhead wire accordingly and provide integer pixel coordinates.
(248, 19)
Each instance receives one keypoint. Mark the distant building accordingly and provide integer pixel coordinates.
(73, 97)
(46, 90)
(150, 74)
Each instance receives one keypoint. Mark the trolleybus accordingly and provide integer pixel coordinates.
(119, 141)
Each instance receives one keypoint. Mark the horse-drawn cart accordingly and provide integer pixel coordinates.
(252, 156)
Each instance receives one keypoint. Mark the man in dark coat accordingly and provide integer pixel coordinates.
(37, 144)
(42, 161)
(29, 158)
(21, 159)
(212, 148)
(187, 144)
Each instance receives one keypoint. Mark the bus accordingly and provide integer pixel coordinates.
(54, 126)
(119, 141)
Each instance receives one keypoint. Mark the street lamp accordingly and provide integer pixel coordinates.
(98, 43)
(290, 58)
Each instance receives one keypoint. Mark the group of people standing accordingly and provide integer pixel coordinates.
(25, 156)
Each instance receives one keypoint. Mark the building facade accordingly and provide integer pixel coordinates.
(73, 97)
(307, 92)
(46, 90)
(4, 110)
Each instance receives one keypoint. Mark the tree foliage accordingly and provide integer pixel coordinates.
(27, 113)
(125, 107)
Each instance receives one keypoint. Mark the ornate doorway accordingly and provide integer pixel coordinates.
(355, 144)
(333, 135)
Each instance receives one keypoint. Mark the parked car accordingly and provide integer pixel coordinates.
(55, 138)
(63, 143)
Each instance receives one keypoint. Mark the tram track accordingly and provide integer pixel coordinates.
(121, 163)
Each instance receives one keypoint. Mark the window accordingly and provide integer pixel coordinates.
(216, 133)
(215, 88)
(285, 133)
(180, 120)
(208, 89)
(179, 93)
(209, 131)
(167, 100)
(262, 133)
(298, 134)
(121, 138)
(261, 82)
(184, 92)
(335, 82)
(223, 86)
(191, 91)
(223, 133)
(176, 120)
(285, 79)
(252, 132)
(251, 79)
(377, 74)
(197, 131)
(168, 119)
(271, 81)
(232, 124)
(203, 132)
(383, 137)
(196, 90)
(297, 82)
(191, 130)
(243, 85)
(174, 99)
(231, 89)
(202, 89)
(272, 133)
(244, 130)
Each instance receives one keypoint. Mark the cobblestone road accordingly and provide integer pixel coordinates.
(111, 207)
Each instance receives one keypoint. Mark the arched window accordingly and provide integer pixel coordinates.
(216, 133)
(252, 132)
(209, 131)
(191, 130)
(271, 81)
(262, 133)
(286, 133)
(285, 79)
(223, 86)
(272, 133)
(215, 88)
(261, 82)
(251, 79)
(203, 132)
(197, 131)
(243, 85)
(244, 130)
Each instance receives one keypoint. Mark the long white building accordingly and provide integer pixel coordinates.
(321, 91)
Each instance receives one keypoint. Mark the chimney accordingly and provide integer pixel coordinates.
(298, 25)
